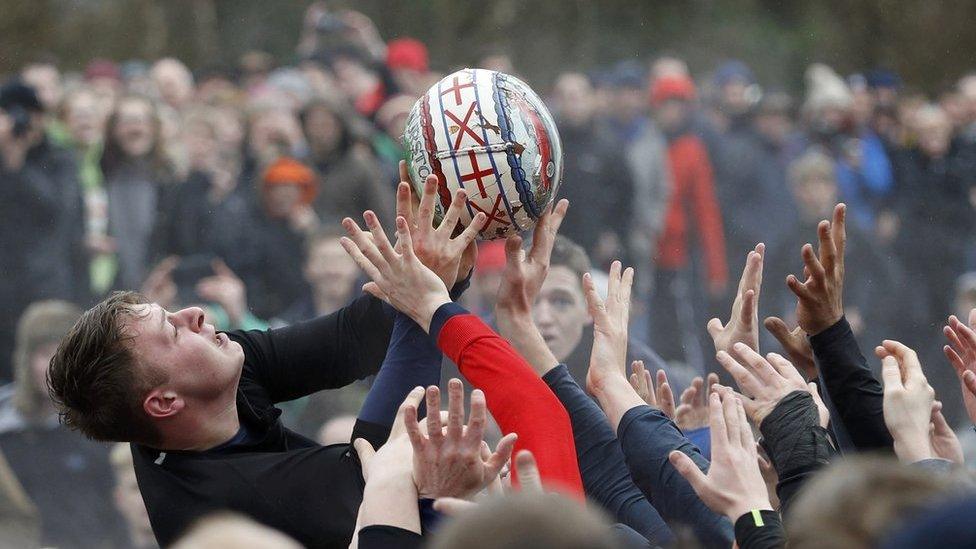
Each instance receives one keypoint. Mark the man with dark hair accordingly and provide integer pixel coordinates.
(561, 315)
(198, 406)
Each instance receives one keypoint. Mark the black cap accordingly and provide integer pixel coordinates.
(14, 93)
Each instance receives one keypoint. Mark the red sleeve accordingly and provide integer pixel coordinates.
(709, 217)
(519, 401)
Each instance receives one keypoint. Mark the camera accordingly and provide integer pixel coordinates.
(21, 119)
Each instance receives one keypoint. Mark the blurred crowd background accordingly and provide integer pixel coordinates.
(205, 151)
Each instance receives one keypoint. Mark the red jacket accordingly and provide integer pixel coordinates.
(517, 398)
(692, 201)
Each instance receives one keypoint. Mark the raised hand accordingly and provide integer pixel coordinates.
(529, 481)
(525, 272)
(398, 276)
(692, 413)
(765, 382)
(610, 321)
(437, 247)
(743, 324)
(945, 443)
(447, 461)
(961, 353)
(661, 397)
(908, 401)
(734, 485)
(820, 297)
(796, 345)
(227, 290)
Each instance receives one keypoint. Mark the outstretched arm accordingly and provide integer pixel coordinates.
(852, 388)
(412, 359)
(606, 479)
(519, 400)
(646, 434)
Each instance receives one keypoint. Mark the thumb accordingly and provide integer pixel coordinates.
(528, 471)
(969, 379)
(364, 450)
(890, 372)
(714, 327)
(690, 472)
(513, 249)
(777, 327)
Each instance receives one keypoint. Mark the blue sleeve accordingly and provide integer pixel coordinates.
(702, 438)
(412, 360)
(647, 436)
(606, 479)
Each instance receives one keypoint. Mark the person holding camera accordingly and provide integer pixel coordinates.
(41, 214)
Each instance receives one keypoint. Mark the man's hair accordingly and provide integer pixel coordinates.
(566, 253)
(530, 520)
(859, 499)
(95, 379)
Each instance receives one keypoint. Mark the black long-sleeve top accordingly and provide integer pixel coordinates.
(856, 394)
(276, 476)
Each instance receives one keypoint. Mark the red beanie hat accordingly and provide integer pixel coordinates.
(491, 256)
(407, 53)
(288, 171)
(672, 87)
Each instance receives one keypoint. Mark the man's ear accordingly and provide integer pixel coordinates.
(162, 403)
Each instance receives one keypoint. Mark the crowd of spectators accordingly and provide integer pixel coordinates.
(225, 186)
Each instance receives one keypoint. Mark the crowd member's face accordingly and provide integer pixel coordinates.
(863, 106)
(735, 96)
(174, 82)
(353, 78)
(281, 200)
(128, 501)
(230, 129)
(134, 129)
(815, 197)
(830, 118)
(573, 97)
(46, 81)
(628, 103)
(106, 92)
(954, 106)
(269, 136)
(83, 119)
(560, 311)
(201, 146)
(39, 361)
(775, 127)
(322, 128)
(934, 134)
(671, 115)
(330, 270)
(498, 62)
(200, 367)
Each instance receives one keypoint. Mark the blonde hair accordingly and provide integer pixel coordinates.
(858, 499)
(42, 323)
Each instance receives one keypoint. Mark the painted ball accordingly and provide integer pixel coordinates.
(488, 133)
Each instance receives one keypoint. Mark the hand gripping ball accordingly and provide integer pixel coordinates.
(489, 134)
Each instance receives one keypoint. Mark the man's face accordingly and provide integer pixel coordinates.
(198, 364)
(573, 96)
(560, 311)
(671, 114)
(816, 197)
(39, 361)
(330, 270)
(134, 128)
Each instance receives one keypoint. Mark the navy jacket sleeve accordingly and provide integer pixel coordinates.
(327, 352)
(760, 530)
(856, 394)
(647, 436)
(389, 537)
(606, 479)
(412, 360)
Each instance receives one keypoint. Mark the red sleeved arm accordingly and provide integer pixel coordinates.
(709, 218)
(520, 402)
